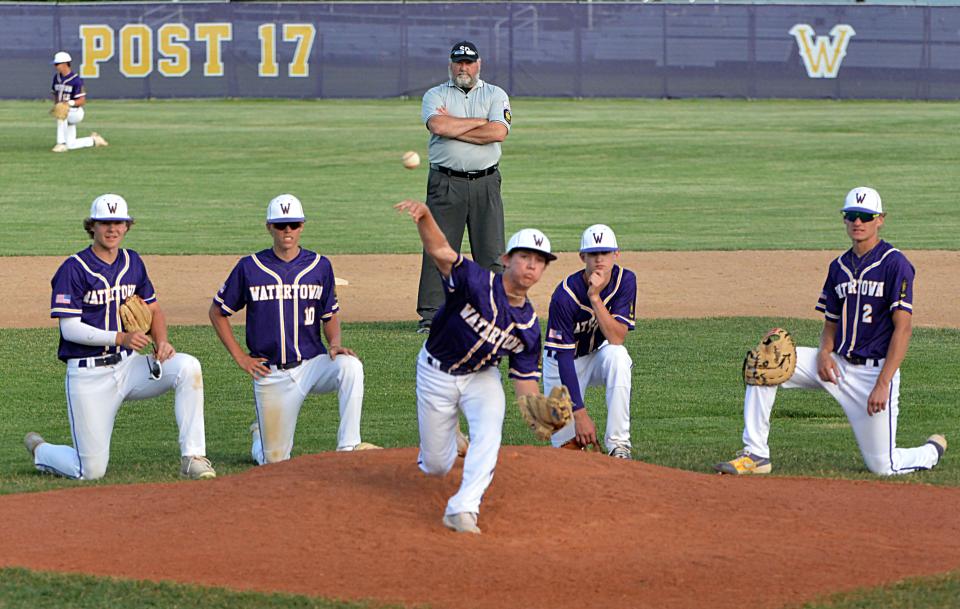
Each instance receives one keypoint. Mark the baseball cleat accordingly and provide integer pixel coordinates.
(938, 441)
(59, 148)
(423, 326)
(620, 451)
(98, 139)
(196, 468)
(462, 443)
(32, 440)
(745, 463)
(367, 446)
(464, 522)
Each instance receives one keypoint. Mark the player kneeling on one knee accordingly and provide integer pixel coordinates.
(289, 294)
(103, 367)
(591, 312)
(484, 317)
(867, 303)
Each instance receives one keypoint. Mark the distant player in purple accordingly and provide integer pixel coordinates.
(485, 317)
(867, 303)
(591, 312)
(290, 297)
(104, 369)
(68, 88)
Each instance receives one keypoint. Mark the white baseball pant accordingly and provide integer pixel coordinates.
(876, 435)
(94, 396)
(440, 396)
(280, 395)
(609, 367)
(67, 131)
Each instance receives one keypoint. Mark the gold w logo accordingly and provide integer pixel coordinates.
(822, 55)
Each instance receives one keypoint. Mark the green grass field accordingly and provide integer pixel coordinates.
(668, 175)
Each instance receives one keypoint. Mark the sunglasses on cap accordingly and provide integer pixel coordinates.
(863, 216)
(286, 225)
(464, 53)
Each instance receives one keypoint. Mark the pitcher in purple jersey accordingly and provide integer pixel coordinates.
(68, 88)
(591, 312)
(867, 303)
(103, 367)
(289, 295)
(485, 317)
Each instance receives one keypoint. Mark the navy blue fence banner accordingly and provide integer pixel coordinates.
(343, 49)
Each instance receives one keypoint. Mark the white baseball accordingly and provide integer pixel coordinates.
(411, 159)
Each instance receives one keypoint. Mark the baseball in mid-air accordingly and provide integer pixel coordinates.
(411, 159)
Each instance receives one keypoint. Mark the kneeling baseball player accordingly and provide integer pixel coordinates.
(485, 316)
(289, 294)
(69, 98)
(591, 312)
(92, 291)
(867, 303)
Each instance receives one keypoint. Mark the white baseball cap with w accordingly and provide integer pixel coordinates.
(109, 208)
(285, 208)
(865, 199)
(598, 238)
(530, 239)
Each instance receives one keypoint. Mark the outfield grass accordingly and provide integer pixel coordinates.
(666, 174)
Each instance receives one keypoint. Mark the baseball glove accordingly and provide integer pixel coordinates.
(60, 111)
(136, 315)
(546, 415)
(773, 361)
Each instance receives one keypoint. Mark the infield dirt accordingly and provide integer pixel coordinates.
(384, 288)
(561, 529)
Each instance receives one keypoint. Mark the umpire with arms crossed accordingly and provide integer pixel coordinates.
(467, 119)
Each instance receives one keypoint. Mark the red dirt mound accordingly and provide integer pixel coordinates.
(561, 529)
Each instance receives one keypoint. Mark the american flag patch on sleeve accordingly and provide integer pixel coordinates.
(62, 299)
(551, 333)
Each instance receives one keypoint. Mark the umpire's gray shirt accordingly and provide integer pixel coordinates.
(483, 101)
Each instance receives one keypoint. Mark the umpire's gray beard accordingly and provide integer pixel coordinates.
(464, 81)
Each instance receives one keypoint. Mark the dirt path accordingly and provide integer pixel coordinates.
(384, 288)
(367, 525)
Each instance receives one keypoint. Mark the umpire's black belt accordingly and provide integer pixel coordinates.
(863, 361)
(467, 175)
(96, 362)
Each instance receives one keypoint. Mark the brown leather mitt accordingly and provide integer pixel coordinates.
(60, 110)
(546, 415)
(773, 361)
(136, 315)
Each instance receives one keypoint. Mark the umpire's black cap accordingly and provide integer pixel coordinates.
(464, 51)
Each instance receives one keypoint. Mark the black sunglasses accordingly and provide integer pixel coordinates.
(863, 216)
(286, 225)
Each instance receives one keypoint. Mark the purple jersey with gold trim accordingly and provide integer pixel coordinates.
(87, 287)
(572, 325)
(286, 303)
(861, 294)
(67, 87)
(476, 326)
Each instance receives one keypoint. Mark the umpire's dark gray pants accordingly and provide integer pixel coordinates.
(457, 203)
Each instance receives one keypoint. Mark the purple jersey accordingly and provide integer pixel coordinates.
(285, 302)
(861, 294)
(572, 325)
(573, 331)
(67, 87)
(476, 326)
(87, 287)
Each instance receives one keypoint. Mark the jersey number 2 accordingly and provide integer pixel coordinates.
(867, 314)
(308, 316)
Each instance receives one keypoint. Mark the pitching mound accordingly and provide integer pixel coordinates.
(561, 529)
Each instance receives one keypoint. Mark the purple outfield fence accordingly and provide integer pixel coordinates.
(545, 49)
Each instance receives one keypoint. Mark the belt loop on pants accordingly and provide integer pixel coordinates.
(433, 362)
(466, 175)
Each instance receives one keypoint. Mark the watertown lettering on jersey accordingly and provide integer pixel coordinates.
(105, 295)
(858, 286)
(285, 292)
(489, 332)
